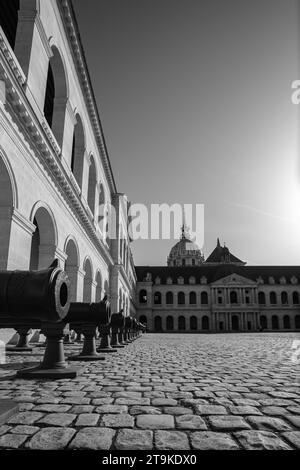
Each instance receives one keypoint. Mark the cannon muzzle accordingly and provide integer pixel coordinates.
(97, 313)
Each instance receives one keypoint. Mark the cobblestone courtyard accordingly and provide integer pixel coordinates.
(164, 391)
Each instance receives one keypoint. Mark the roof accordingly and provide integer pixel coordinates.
(221, 254)
(215, 272)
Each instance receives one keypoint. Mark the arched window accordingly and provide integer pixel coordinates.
(297, 322)
(193, 323)
(235, 323)
(157, 324)
(78, 148)
(91, 197)
(273, 298)
(204, 298)
(170, 323)
(43, 242)
(205, 323)
(169, 298)
(193, 298)
(286, 322)
(56, 96)
(9, 19)
(295, 298)
(143, 296)
(284, 298)
(181, 323)
(181, 298)
(261, 298)
(72, 267)
(263, 322)
(88, 281)
(98, 286)
(157, 298)
(233, 297)
(275, 323)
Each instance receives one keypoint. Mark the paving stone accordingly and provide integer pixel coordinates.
(24, 429)
(293, 437)
(163, 402)
(171, 440)
(132, 401)
(177, 410)
(139, 410)
(117, 421)
(26, 417)
(261, 440)
(77, 409)
(102, 401)
(294, 420)
(228, 423)
(93, 438)
(209, 440)
(269, 423)
(112, 409)
(12, 441)
(52, 408)
(244, 410)
(127, 395)
(87, 419)
(51, 438)
(190, 422)
(26, 406)
(210, 410)
(133, 439)
(294, 409)
(155, 421)
(4, 429)
(58, 419)
(274, 410)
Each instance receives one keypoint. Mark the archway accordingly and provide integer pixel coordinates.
(204, 298)
(72, 267)
(88, 281)
(205, 323)
(286, 322)
(181, 323)
(193, 323)
(56, 96)
(169, 298)
(181, 298)
(91, 196)
(98, 281)
(261, 298)
(78, 148)
(43, 242)
(275, 322)
(170, 323)
(192, 298)
(263, 322)
(6, 210)
(297, 322)
(235, 323)
(157, 323)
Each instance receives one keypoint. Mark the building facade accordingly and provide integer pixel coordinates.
(220, 294)
(58, 197)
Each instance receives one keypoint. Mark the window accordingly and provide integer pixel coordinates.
(275, 323)
(9, 19)
(143, 296)
(193, 298)
(295, 298)
(181, 323)
(157, 298)
(181, 298)
(193, 261)
(233, 297)
(205, 323)
(273, 299)
(169, 298)
(170, 323)
(284, 298)
(180, 280)
(204, 298)
(261, 298)
(193, 323)
(286, 322)
(192, 280)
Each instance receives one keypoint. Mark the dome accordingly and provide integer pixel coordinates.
(185, 253)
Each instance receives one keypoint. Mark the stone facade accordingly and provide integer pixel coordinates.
(56, 182)
(221, 295)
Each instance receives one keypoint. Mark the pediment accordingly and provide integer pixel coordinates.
(234, 280)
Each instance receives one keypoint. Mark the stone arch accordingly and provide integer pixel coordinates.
(78, 149)
(72, 264)
(192, 298)
(44, 237)
(295, 298)
(88, 280)
(273, 298)
(275, 322)
(170, 323)
(193, 323)
(8, 201)
(286, 322)
(263, 322)
(205, 323)
(92, 182)
(204, 298)
(98, 281)
(157, 323)
(56, 95)
(181, 298)
(106, 287)
(284, 298)
(181, 323)
(169, 298)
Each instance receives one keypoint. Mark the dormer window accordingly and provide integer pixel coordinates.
(192, 280)
(180, 280)
(169, 280)
(294, 280)
(157, 280)
(282, 280)
(203, 280)
(271, 280)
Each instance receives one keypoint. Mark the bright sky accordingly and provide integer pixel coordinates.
(195, 101)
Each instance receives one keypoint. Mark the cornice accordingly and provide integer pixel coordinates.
(73, 36)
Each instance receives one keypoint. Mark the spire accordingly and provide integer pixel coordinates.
(218, 243)
(183, 227)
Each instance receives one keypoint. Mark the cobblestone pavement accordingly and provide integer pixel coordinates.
(164, 391)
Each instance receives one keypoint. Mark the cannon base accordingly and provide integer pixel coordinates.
(106, 350)
(117, 346)
(40, 373)
(7, 409)
(92, 357)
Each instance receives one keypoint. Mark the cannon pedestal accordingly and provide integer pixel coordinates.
(54, 365)
(114, 338)
(23, 341)
(104, 346)
(88, 352)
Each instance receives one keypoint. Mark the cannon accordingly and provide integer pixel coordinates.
(128, 328)
(117, 323)
(35, 295)
(38, 299)
(86, 318)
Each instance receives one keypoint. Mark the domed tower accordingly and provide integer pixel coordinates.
(185, 252)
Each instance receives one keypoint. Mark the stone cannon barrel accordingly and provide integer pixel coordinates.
(35, 295)
(118, 320)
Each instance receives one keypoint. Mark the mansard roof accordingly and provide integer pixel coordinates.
(214, 272)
